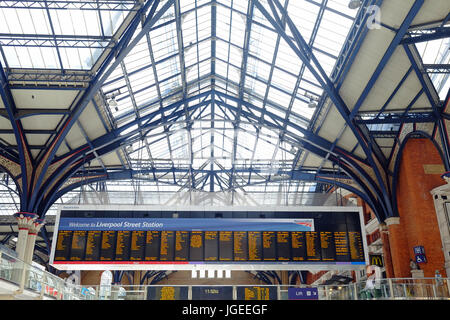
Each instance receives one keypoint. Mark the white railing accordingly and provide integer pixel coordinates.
(44, 284)
(30, 279)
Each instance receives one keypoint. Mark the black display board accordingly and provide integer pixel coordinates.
(269, 246)
(167, 247)
(298, 246)
(93, 243)
(62, 251)
(240, 249)
(328, 250)
(211, 245)
(108, 247)
(196, 250)
(78, 246)
(167, 293)
(256, 293)
(283, 246)
(137, 251)
(225, 245)
(254, 246)
(313, 250)
(152, 244)
(123, 247)
(212, 293)
(337, 238)
(181, 245)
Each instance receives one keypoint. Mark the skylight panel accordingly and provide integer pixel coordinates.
(240, 6)
(332, 33)
(325, 61)
(167, 68)
(304, 15)
(258, 68)
(188, 25)
(262, 43)
(301, 108)
(238, 22)
(283, 80)
(223, 22)
(204, 22)
(164, 41)
(287, 59)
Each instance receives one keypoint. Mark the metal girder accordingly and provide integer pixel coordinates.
(424, 80)
(107, 5)
(123, 47)
(22, 145)
(436, 68)
(394, 118)
(59, 41)
(23, 113)
(386, 57)
(424, 35)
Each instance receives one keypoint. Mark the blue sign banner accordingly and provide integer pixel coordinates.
(303, 294)
(193, 224)
(420, 258)
(419, 250)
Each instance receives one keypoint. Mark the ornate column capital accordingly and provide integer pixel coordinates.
(36, 225)
(25, 219)
(392, 220)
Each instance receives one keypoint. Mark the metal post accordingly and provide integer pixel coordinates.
(355, 291)
(391, 288)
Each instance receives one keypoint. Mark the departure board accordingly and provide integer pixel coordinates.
(123, 245)
(78, 245)
(181, 245)
(313, 250)
(240, 246)
(137, 245)
(341, 246)
(327, 245)
(63, 245)
(313, 239)
(152, 244)
(283, 246)
(211, 245)
(212, 293)
(254, 246)
(356, 246)
(167, 248)
(93, 244)
(167, 293)
(256, 293)
(108, 247)
(298, 246)
(269, 246)
(225, 245)
(196, 246)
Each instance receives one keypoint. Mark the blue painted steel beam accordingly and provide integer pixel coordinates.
(22, 145)
(306, 55)
(428, 35)
(124, 46)
(395, 91)
(427, 86)
(407, 118)
(386, 57)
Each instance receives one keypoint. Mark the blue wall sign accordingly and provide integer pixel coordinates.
(303, 294)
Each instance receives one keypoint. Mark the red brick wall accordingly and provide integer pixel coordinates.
(418, 222)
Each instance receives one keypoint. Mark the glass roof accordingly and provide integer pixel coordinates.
(58, 35)
(230, 91)
(437, 52)
(198, 52)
